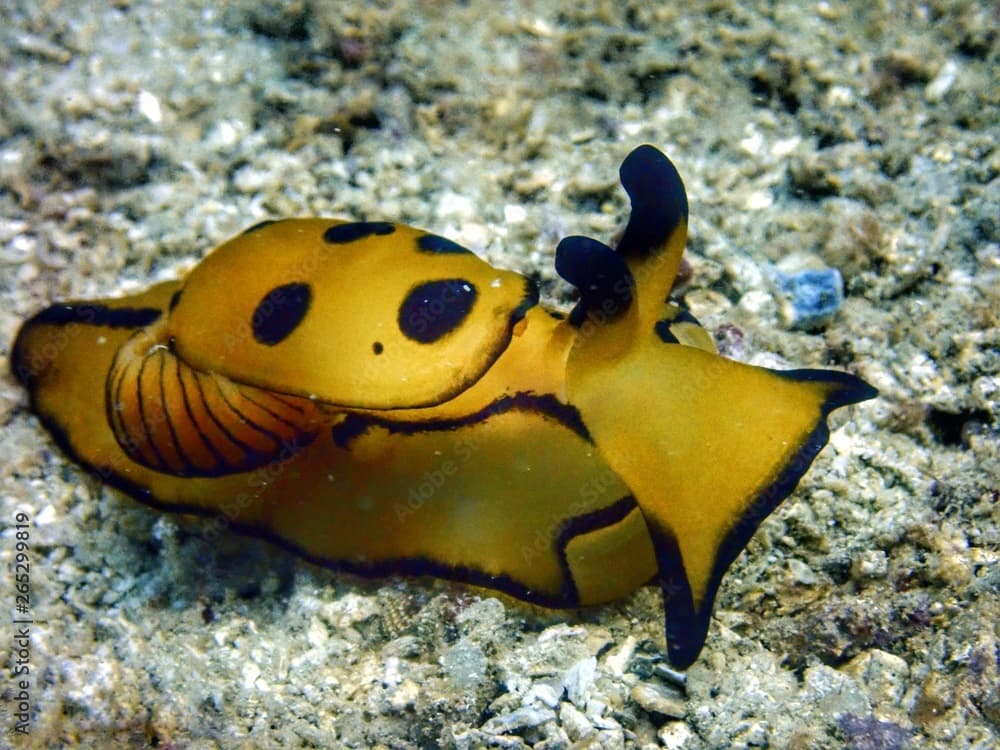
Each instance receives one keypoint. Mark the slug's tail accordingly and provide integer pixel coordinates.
(729, 443)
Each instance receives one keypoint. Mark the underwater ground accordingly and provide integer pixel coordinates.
(862, 137)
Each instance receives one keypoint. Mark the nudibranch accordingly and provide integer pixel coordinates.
(383, 401)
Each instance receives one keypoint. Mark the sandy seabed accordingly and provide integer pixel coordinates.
(135, 136)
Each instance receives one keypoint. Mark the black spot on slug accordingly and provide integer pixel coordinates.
(357, 230)
(93, 314)
(436, 308)
(432, 243)
(175, 298)
(279, 312)
(662, 329)
(259, 225)
(377, 347)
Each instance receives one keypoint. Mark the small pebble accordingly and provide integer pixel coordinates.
(675, 735)
(870, 564)
(617, 662)
(579, 680)
(519, 720)
(657, 700)
(466, 664)
(542, 693)
(575, 723)
(883, 676)
(811, 297)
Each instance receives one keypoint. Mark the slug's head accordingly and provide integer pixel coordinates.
(367, 315)
(632, 281)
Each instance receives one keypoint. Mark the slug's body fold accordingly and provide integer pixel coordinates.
(173, 418)
(382, 401)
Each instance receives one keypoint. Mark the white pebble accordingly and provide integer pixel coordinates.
(942, 82)
(149, 107)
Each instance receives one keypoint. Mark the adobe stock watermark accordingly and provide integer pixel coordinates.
(432, 481)
(258, 482)
(21, 622)
(590, 494)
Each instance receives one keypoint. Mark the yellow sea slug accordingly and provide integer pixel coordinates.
(381, 400)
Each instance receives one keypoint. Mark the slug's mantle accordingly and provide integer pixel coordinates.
(382, 401)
